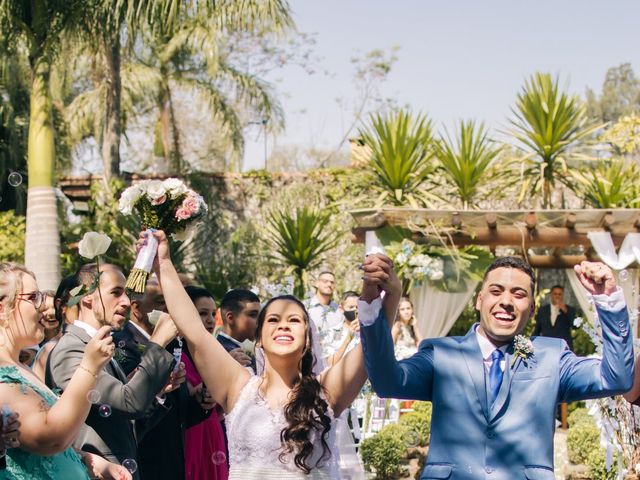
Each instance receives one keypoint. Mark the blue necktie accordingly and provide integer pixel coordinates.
(495, 374)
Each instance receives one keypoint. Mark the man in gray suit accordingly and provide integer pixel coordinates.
(110, 430)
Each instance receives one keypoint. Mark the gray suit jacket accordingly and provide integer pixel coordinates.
(113, 437)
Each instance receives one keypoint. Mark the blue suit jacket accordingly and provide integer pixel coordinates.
(513, 437)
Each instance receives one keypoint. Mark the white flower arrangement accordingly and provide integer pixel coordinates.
(416, 266)
(522, 348)
(168, 205)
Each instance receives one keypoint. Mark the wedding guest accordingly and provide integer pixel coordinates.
(64, 315)
(405, 332)
(556, 318)
(161, 433)
(120, 400)
(204, 443)
(280, 423)
(48, 423)
(494, 392)
(239, 310)
(321, 307)
(346, 335)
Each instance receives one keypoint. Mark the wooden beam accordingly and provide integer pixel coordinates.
(555, 261)
(570, 221)
(530, 220)
(492, 220)
(637, 223)
(456, 221)
(607, 221)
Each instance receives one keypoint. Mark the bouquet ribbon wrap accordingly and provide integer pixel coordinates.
(137, 280)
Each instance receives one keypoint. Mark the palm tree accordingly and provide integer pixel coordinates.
(550, 124)
(401, 154)
(468, 162)
(299, 237)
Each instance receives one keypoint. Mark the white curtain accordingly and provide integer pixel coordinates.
(436, 311)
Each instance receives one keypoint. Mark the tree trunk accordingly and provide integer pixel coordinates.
(169, 133)
(42, 242)
(112, 127)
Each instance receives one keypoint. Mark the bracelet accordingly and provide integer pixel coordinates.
(94, 375)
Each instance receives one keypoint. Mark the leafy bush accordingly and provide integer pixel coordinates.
(384, 451)
(597, 464)
(418, 423)
(12, 231)
(582, 440)
(579, 416)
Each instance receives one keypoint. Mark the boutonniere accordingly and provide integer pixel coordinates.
(522, 348)
(118, 355)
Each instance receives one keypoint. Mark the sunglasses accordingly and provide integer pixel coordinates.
(37, 298)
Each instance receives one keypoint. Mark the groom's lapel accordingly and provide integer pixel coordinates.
(507, 378)
(475, 365)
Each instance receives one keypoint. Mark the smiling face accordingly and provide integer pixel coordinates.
(207, 310)
(505, 303)
(284, 330)
(51, 323)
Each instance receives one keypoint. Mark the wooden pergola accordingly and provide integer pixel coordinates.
(548, 238)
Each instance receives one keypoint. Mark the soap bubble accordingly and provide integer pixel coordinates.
(411, 439)
(14, 179)
(623, 275)
(104, 411)
(218, 458)
(130, 464)
(93, 396)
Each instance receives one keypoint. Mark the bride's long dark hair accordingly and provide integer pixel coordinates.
(307, 409)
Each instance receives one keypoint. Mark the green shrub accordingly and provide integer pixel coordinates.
(582, 439)
(422, 407)
(384, 451)
(418, 424)
(12, 231)
(578, 416)
(597, 464)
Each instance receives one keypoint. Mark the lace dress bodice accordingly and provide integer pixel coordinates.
(405, 344)
(253, 433)
(22, 465)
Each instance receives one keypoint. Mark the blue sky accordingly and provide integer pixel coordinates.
(457, 58)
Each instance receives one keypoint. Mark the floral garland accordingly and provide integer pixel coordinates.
(445, 268)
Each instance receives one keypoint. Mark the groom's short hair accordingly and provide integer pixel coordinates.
(513, 262)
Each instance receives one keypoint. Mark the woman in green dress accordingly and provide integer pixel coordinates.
(48, 424)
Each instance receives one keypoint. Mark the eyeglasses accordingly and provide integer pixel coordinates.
(37, 298)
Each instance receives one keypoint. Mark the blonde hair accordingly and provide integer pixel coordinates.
(10, 284)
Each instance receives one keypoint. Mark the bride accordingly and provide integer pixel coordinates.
(280, 424)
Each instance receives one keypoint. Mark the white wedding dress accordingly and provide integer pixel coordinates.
(253, 432)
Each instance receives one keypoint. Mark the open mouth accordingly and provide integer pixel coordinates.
(283, 339)
(504, 317)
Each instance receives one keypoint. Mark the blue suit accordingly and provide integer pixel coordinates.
(513, 437)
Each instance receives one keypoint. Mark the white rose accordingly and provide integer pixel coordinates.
(155, 189)
(175, 187)
(437, 275)
(93, 244)
(128, 199)
(248, 347)
(184, 234)
(153, 316)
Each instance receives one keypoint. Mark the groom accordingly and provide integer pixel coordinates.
(494, 398)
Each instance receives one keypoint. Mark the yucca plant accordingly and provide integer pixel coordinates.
(612, 184)
(299, 237)
(401, 157)
(550, 124)
(467, 162)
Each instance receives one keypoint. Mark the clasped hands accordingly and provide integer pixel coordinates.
(379, 276)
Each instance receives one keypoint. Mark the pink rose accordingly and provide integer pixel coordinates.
(191, 204)
(183, 214)
(159, 201)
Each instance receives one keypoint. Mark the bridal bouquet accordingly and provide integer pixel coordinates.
(167, 205)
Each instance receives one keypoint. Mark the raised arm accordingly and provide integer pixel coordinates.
(592, 378)
(47, 431)
(223, 376)
(344, 380)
